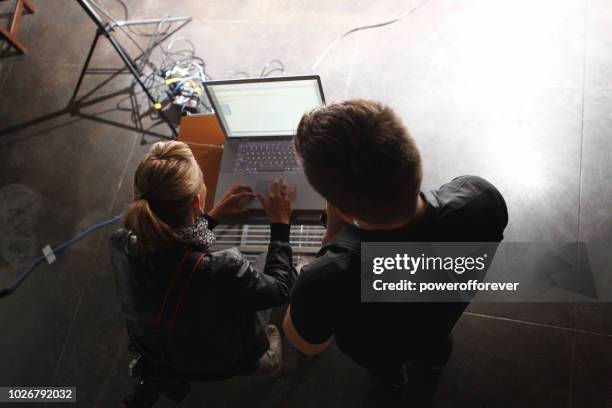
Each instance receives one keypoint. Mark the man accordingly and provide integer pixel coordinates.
(359, 156)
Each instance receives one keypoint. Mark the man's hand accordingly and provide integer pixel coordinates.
(233, 202)
(334, 223)
(279, 204)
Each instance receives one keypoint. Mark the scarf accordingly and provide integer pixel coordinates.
(198, 233)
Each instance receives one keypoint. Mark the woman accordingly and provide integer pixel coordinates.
(199, 314)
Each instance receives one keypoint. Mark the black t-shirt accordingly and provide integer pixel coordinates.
(326, 299)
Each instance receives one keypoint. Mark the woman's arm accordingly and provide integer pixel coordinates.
(279, 258)
(253, 286)
(272, 285)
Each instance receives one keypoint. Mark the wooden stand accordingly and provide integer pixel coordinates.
(205, 138)
(11, 33)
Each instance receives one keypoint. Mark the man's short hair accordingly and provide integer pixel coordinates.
(360, 157)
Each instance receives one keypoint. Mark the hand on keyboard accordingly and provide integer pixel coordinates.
(233, 203)
(279, 203)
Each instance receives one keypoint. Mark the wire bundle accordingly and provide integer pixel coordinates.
(175, 60)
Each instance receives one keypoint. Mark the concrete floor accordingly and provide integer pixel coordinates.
(518, 92)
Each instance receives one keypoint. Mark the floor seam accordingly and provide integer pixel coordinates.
(72, 322)
(572, 365)
(543, 325)
(9, 70)
(581, 139)
(581, 142)
(123, 175)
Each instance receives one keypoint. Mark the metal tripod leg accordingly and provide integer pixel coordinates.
(87, 60)
(132, 67)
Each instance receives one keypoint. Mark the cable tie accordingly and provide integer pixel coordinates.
(49, 254)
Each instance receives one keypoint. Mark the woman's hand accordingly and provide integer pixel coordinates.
(233, 202)
(279, 204)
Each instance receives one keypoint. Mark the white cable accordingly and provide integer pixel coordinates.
(185, 39)
(280, 68)
(365, 27)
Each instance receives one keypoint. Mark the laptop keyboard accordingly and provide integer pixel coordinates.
(264, 156)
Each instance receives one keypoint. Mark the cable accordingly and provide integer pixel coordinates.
(182, 62)
(265, 70)
(365, 27)
(155, 79)
(187, 60)
(15, 284)
(280, 68)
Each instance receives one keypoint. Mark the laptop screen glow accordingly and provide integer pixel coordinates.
(256, 109)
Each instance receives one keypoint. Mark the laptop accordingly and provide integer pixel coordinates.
(259, 118)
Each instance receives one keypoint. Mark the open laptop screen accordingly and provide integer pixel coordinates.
(263, 108)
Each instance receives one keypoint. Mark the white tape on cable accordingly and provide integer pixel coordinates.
(48, 253)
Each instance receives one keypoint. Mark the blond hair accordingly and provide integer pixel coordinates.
(165, 183)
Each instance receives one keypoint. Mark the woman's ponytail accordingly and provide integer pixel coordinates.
(152, 232)
(165, 183)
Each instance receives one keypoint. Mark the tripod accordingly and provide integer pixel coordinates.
(135, 69)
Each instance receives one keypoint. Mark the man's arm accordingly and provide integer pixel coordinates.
(298, 342)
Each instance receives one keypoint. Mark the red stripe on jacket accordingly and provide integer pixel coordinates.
(180, 299)
(169, 288)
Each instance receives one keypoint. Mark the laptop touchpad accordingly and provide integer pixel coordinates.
(261, 187)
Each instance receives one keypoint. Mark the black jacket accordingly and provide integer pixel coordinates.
(327, 297)
(194, 312)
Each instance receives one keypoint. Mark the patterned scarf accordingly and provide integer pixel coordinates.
(198, 233)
